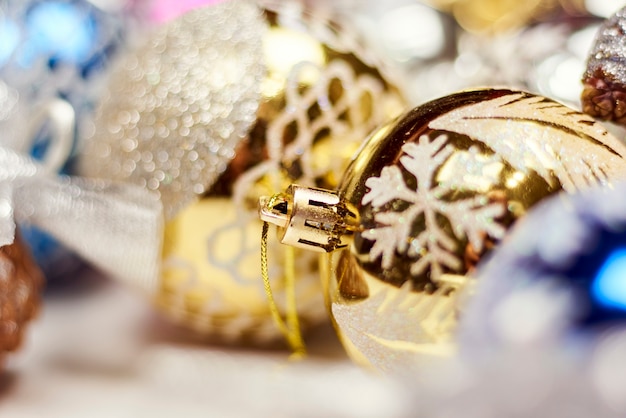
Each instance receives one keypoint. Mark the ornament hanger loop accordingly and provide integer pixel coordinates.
(290, 327)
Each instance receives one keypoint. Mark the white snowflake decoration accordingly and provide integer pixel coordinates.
(472, 218)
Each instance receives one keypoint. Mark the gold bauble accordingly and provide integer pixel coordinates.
(504, 15)
(425, 199)
(434, 192)
(321, 96)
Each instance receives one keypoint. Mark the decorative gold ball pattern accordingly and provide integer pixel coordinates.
(320, 99)
(435, 191)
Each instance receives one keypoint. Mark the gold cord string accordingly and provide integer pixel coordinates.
(290, 327)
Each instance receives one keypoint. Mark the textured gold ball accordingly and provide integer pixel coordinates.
(434, 191)
(320, 97)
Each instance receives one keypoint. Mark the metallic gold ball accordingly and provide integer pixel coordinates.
(434, 191)
(321, 96)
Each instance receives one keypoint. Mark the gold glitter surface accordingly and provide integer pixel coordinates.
(435, 192)
(179, 104)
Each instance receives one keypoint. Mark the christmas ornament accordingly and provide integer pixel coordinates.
(558, 320)
(604, 94)
(320, 98)
(53, 61)
(178, 105)
(53, 50)
(286, 95)
(426, 197)
(20, 285)
(573, 273)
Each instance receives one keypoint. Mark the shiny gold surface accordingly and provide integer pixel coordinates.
(320, 100)
(213, 286)
(436, 190)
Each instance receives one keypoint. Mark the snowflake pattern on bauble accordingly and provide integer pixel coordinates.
(433, 247)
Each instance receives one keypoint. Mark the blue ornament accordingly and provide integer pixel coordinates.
(56, 50)
(61, 31)
(561, 273)
(54, 59)
(598, 274)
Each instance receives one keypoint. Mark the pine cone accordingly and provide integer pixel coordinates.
(20, 285)
(604, 97)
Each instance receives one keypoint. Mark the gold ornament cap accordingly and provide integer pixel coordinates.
(310, 218)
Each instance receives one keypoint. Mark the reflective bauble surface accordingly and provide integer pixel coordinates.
(434, 192)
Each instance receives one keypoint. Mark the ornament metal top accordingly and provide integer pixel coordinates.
(425, 198)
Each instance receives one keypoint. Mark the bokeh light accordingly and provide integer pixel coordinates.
(63, 30)
(609, 285)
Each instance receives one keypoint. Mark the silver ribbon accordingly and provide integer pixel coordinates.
(116, 227)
